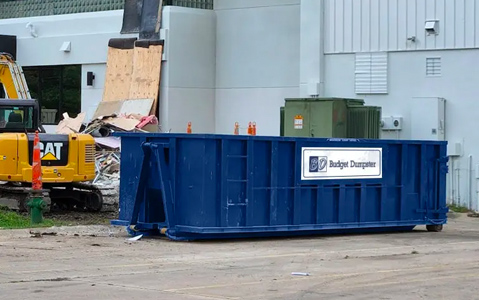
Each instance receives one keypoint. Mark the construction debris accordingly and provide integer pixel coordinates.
(70, 125)
(107, 167)
(110, 117)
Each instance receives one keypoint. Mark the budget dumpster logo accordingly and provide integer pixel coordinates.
(318, 164)
(341, 163)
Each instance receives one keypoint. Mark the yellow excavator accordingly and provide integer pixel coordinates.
(68, 161)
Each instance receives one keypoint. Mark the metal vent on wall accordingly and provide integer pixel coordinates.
(371, 74)
(433, 66)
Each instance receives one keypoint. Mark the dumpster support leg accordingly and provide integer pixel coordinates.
(140, 189)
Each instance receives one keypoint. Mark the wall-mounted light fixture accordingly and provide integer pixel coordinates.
(89, 78)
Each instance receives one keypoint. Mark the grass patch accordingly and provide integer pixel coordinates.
(458, 209)
(13, 220)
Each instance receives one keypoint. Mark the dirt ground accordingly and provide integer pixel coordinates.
(70, 218)
(98, 262)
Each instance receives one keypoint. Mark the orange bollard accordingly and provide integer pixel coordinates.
(36, 164)
(236, 131)
(36, 204)
(254, 129)
(188, 129)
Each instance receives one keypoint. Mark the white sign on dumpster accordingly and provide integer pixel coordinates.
(340, 163)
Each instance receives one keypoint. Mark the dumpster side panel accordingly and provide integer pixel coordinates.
(196, 187)
(130, 167)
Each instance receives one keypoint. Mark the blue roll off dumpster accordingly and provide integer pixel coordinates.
(189, 186)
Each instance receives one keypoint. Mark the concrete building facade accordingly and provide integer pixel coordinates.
(237, 63)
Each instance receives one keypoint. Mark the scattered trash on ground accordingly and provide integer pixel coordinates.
(299, 274)
(136, 238)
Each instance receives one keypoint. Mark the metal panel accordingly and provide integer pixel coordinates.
(383, 25)
(449, 24)
(365, 25)
(297, 109)
(411, 23)
(440, 9)
(357, 27)
(402, 24)
(339, 27)
(476, 25)
(470, 26)
(215, 186)
(390, 25)
(375, 25)
(428, 116)
(419, 31)
(393, 31)
(431, 14)
(348, 26)
(460, 24)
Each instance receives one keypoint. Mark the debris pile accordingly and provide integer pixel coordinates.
(111, 117)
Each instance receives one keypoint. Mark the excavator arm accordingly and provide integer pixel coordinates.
(12, 78)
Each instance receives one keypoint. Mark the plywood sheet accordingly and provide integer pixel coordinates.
(145, 81)
(118, 74)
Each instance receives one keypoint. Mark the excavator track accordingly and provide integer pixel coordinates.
(77, 197)
(68, 197)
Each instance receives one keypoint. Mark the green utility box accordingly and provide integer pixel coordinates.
(315, 117)
(329, 118)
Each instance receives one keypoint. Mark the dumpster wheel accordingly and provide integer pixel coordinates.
(434, 228)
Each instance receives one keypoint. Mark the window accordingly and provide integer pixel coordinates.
(433, 66)
(371, 73)
(57, 89)
(16, 118)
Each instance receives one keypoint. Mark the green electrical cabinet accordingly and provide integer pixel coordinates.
(316, 117)
(329, 118)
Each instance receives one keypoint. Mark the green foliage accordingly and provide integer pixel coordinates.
(12, 220)
(458, 209)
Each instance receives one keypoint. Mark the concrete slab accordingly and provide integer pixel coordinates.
(97, 262)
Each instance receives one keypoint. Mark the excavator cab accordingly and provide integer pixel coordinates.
(20, 116)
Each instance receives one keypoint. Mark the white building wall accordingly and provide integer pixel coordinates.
(386, 25)
(188, 71)
(257, 63)
(88, 33)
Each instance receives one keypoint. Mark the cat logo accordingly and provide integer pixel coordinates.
(51, 151)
